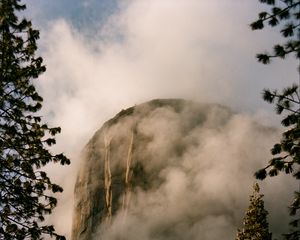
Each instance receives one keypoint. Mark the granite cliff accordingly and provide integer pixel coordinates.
(167, 169)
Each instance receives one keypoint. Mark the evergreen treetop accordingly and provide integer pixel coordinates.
(255, 225)
(25, 190)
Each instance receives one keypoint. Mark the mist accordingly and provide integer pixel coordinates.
(189, 172)
(198, 50)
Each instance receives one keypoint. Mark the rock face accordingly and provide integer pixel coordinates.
(159, 171)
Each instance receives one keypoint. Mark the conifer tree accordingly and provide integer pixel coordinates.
(26, 192)
(255, 223)
(284, 14)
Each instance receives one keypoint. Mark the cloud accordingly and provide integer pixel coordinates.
(200, 50)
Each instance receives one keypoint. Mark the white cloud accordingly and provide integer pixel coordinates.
(200, 50)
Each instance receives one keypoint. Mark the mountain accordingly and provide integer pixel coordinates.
(168, 169)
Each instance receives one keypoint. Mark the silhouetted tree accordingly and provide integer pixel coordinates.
(286, 15)
(255, 223)
(25, 191)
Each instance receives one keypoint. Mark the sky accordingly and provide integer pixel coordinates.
(107, 55)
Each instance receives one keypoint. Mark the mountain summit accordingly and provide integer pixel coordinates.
(167, 169)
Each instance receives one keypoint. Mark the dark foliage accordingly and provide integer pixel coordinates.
(286, 15)
(25, 191)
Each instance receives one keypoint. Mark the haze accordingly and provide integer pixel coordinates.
(104, 56)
